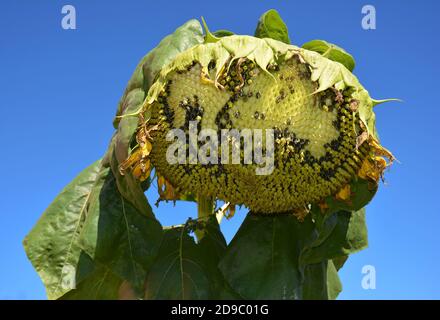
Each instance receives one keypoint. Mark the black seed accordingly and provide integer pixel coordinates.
(327, 174)
(334, 144)
(258, 95)
(256, 115)
(234, 98)
(328, 157)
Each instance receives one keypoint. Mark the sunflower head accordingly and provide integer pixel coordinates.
(307, 118)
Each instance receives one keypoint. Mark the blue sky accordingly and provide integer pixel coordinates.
(59, 90)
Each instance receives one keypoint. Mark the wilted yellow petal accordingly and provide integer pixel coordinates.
(344, 194)
(381, 151)
(146, 148)
(133, 159)
(166, 189)
(372, 169)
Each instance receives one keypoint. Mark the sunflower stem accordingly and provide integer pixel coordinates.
(205, 208)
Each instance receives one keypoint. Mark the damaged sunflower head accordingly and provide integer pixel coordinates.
(314, 112)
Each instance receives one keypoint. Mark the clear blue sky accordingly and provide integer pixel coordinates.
(59, 90)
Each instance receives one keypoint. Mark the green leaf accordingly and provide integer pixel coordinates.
(223, 33)
(297, 260)
(348, 234)
(272, 26)
(213, 243)
(332, 52)
(183, 38)
(129, 187)
(52, 245)
(362, 192)
(262, 260)
(321, 281)
(339, 262)
(213, 247)
(180, 271)
(117, 235)
(207, 254)
(101, 284)
(334, 285)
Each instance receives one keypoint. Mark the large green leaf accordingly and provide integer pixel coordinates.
(332, 52)
(321, 281)
(101, 284)
(338, 235)
(179, 271)
(348, 235)
(117, 235)
(262, 260)
(212, 247)
(213, 243)
(272, 26)
(186, 269)
(297, 260)
(52, 245)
